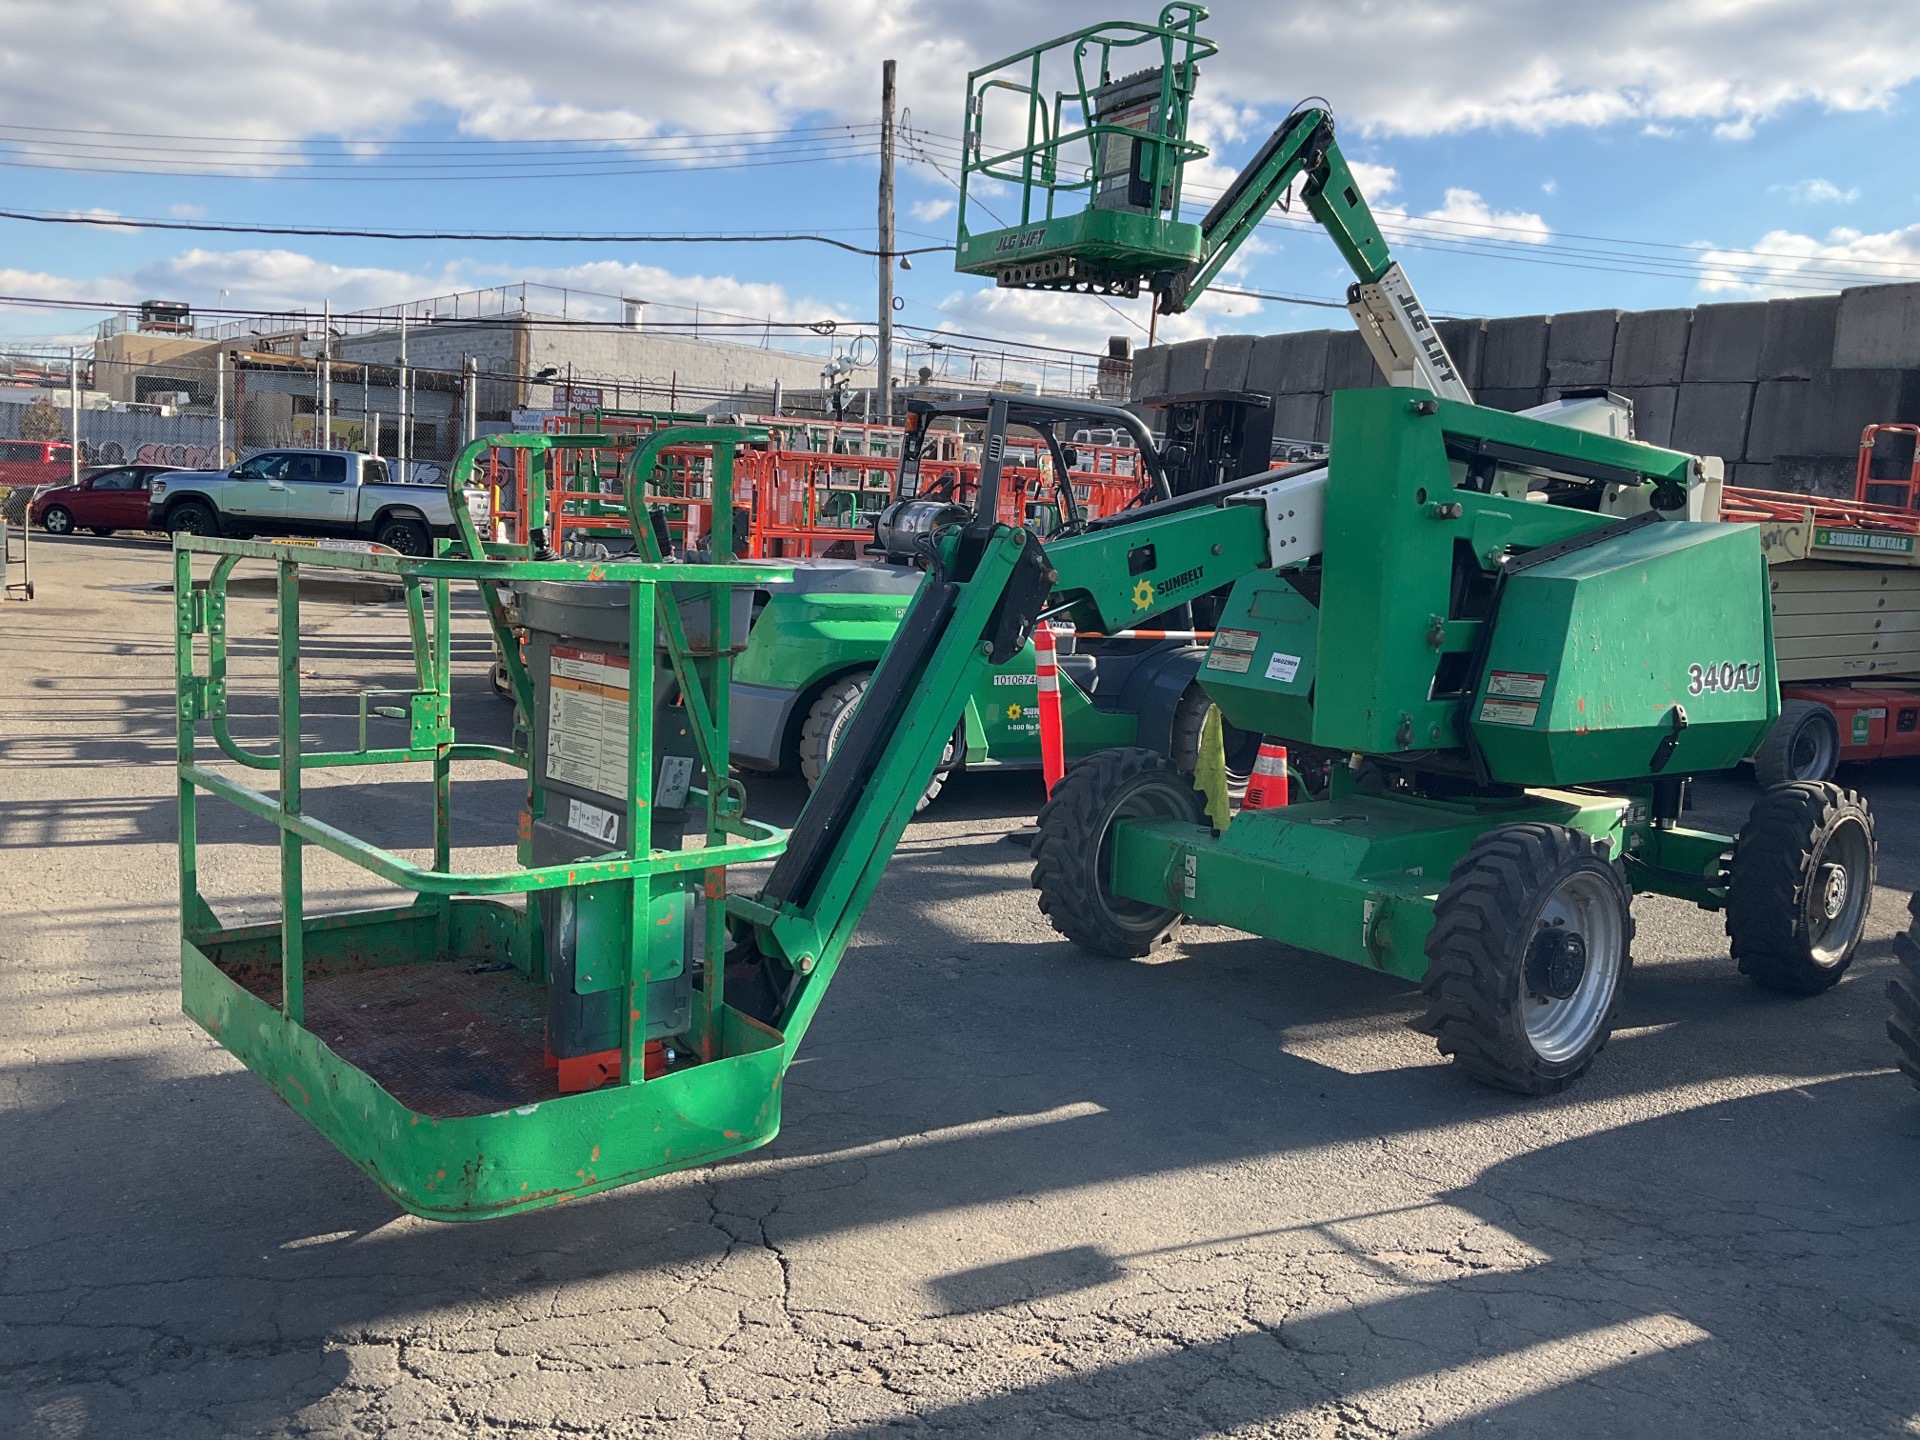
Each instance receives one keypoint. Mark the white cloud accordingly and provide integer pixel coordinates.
(1375, 181)
(1817, 192)
(717, 295)
(1466, 216)
(1784, 263)
(730, 65)
(931, 210)
(287, 280)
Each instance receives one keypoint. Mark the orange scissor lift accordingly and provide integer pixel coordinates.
(811, 491)
(1845, 582)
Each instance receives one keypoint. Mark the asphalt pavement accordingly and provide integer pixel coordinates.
(1019, 1191)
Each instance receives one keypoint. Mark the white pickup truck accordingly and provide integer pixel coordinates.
(304, 492)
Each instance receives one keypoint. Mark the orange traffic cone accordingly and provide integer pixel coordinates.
(1268, 787)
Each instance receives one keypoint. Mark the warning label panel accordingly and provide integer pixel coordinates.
(1516, 685)
(1232, 650)
(1508, 712)
(587, 720)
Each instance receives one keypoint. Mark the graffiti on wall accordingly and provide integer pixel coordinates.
(153, 452)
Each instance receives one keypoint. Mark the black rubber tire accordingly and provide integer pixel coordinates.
(1189, 717)
(1072, 850)
(192, 517)
(57, 520)
(1804, 744)
(101, 530)
(1903, 1022)
(405, 534)
(827, 720)
(1484, 925)
(1780, 877)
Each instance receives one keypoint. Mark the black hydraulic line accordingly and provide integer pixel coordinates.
(1195, 499)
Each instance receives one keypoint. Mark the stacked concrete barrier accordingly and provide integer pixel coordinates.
(1779, 389)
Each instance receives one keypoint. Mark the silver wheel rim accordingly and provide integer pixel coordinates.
(1810, 756)
(58, 522)
(839, 728)
(841, 721)
(1586, 904)
(1835, 905)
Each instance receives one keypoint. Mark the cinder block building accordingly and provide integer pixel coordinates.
(1779, 389)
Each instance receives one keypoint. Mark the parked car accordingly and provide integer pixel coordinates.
(28, 463)
(304, 492)
(108, 498)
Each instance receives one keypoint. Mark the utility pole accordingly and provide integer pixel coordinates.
(885, 375)
(220, 408)
(401, 446)
(470, 416)
(73, 412)
(326, 375)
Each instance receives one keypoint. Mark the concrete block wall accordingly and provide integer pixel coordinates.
(1779, 389)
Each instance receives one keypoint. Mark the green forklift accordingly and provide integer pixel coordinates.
(818, 633)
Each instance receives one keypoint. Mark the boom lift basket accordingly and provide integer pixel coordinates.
(420, 1039)
(1094, 154)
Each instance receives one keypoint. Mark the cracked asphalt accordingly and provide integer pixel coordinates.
(1019, 1191)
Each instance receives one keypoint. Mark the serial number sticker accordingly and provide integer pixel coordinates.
(1237, 661)
(1516, 685)
(1247, 640)
(1724, 675)
(592, 820)
(1509, 712)
(1283, 668)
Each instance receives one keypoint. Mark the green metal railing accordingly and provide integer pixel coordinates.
(1060, 125)
(202, 701)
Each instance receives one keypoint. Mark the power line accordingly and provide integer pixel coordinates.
(1688, 261)
(359, 174)
(217, 227)
(1479, 227)
(452, 141)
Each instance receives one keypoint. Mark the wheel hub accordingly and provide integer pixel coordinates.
(1833, 890)
(1556, 963)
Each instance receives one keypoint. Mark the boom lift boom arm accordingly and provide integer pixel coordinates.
(1391, 318)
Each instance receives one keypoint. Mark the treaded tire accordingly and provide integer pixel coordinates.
(1189, 717)
(1903, 1024)
(827, 720)
(57, 520)
(408, 536)
(1804, 744)
(193, 517)
(1072, 851)
(1782, 920)
(1502, 896)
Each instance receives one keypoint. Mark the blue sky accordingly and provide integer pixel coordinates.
(1782, 127)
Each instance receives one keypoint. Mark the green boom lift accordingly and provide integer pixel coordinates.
(1521, 632)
